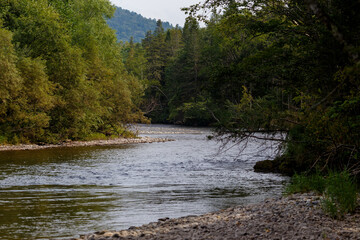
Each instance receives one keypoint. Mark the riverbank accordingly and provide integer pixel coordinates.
(298, 216)
(108, 142)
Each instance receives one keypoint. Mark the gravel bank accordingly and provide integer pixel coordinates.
(295, 217)
(110, 142)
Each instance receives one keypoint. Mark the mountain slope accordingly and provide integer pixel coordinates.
(127, 24)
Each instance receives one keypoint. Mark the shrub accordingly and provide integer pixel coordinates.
(95, 136)
(340, 195)
(339, 190)
(301, 183)
(3, 139)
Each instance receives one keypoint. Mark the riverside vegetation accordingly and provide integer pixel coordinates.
(274, 70)
(257, 68)
(62, 75)
(286, 71)
(339, 191)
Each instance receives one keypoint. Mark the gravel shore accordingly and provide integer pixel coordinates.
(298, 216)
(110, 142)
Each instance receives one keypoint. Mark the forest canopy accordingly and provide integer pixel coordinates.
(62, 75)
(262, 67)
(257, 68)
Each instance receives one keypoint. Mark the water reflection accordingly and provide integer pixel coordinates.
(57, 193)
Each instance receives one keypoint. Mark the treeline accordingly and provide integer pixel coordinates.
(129, 24)
(169, 62)
(261, 67)
(61, 72)
(257, 68)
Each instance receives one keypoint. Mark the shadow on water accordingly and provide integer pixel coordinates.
(43, 211)
(63, 192)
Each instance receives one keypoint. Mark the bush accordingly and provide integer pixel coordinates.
(340, 195)
(95, 136)
(301, 183)
(339, 190)
(3, 139)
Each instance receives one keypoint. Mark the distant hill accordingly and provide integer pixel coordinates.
(127, 24)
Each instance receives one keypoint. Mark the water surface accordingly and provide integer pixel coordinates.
(63, 192)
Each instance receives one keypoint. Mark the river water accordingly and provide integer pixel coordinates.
(64, 192)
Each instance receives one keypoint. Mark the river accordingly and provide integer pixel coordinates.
(63, 192)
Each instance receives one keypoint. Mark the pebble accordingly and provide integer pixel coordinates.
(109, 142)
(296, 217)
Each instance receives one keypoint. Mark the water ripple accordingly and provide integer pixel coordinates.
(57, 193)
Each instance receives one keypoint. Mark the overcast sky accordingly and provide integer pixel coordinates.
(166, 10)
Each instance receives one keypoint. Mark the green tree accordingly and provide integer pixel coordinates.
(26, 95)
(299, 61)
(183, 81)
(10, 82)
(65, 71)
(156, 54)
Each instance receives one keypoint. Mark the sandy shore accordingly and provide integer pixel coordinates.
(295, 217)
(110, 142)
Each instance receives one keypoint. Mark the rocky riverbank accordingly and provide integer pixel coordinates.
(109, 142)
(295, 217)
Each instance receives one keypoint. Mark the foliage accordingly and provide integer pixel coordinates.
(299, 62)
(160, 48)
(257, 68)
(340, 194)
(195, 112)
(62, 74)
(263, 67)
(301, 183)
(338, 188)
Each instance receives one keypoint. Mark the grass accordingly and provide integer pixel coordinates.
(301, 183)
(339, 191)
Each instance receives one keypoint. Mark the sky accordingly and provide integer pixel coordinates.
(166, 10)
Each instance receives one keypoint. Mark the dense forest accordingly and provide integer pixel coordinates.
(62, 76)
(130, 24)
(259, 68)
